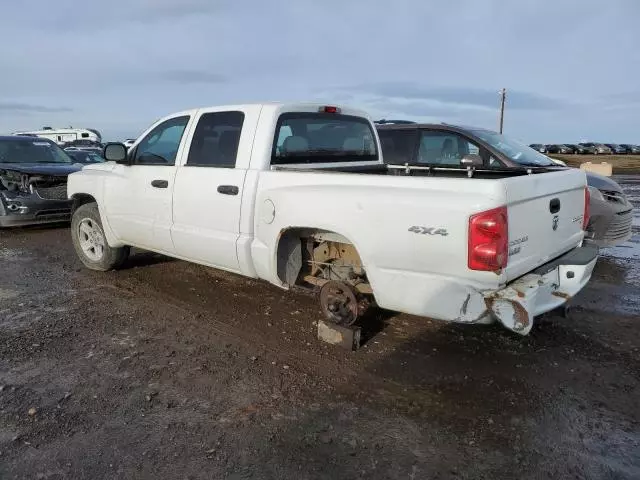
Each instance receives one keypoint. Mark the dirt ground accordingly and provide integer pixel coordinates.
(167, 370)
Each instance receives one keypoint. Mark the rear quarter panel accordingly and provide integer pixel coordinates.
(408, 268)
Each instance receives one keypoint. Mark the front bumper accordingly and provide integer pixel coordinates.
(542, 290)
(20, 209)
(611, 223)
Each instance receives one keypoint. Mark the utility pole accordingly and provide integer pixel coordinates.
(503, 96)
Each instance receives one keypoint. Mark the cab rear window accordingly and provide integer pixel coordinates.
(322, 138)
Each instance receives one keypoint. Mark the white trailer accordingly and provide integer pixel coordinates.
(65, 135)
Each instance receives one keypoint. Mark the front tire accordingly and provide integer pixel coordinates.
(90, 241)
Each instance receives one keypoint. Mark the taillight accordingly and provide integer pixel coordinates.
(489, 240)
(587, 208)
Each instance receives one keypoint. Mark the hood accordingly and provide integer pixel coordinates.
(602, 183)
(55, 169)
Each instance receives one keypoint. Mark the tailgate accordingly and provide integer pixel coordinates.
(545, 218)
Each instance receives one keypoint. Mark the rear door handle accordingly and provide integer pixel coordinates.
(228, 189)
(160, 183)
(554, 205)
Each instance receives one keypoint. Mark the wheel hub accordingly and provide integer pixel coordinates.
(91, 239)
(339, 302)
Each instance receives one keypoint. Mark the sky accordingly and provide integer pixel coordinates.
(570, 67)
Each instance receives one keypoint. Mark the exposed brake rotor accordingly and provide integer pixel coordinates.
(339, 303)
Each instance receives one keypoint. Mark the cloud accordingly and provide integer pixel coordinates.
(18, 107)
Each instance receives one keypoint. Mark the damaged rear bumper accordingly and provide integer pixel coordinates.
(542, 290)
(21, 209)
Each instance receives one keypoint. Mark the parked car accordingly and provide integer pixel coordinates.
(588, 148)
(539, 147)
(85, 157)
(83, 143)
(551, 148)
(611, 219)
(602, 149)
(95, 150)
(558, 149)
(611, 214)
(576, 149)
(33, 181)
(618, 149)
(297, 195)
(632, 149)
(394, 122)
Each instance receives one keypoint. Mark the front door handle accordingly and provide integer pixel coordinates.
(160, 183)
(228, 189)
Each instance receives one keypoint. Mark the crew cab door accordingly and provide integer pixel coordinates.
(210, 187)
(138, 196)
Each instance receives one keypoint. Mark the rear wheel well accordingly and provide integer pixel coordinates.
(329, 262)
(311, 257)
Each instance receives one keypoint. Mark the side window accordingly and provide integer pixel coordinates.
(284, 133)
(444, 148)
(215, 141)
(85, 135)
(160, 146)
(398, 146)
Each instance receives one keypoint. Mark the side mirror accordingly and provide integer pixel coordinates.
(472, 160)
(116, 152)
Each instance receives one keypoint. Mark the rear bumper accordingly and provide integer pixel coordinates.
(542, 290)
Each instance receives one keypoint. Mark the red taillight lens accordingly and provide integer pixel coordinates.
(489, 240)
(587, 208)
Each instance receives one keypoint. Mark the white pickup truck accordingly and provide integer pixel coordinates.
(298, 195)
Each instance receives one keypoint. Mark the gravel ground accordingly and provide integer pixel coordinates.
(172, 370)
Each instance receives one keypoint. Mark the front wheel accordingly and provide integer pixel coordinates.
(90, 241)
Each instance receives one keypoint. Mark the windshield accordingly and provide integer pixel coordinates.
(86, 157)
(323, 138)
(514, 150)
(36, 151)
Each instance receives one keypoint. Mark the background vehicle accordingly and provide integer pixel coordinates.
(631, 149)
(611, 214)
(576, 149)
(394, 122)
(538, 147)
(33, 181)
(611, 219)
(64, 135)
(96, 150)
(558, 148)
(83, 144)
(297, 195)
(588, 148)
(602, 149)
(551, 148)
(85, 156)
(618, 149)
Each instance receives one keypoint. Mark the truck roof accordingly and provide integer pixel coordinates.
(439, 126)
(279, 106)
